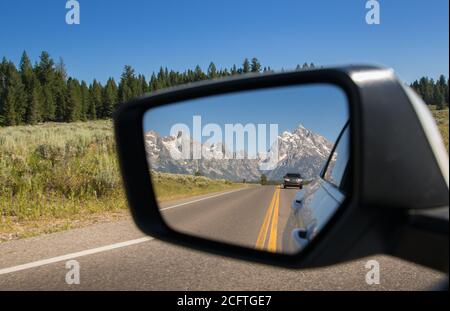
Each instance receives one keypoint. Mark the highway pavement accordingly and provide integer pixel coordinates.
(117, 256)
(252, 217)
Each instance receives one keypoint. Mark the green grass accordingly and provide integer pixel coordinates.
(441, 117)
(56, 176)
(52, 172)
(170, 187)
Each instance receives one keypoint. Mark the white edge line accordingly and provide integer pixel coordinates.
(44, 262)
(202, 199)
(73, 255)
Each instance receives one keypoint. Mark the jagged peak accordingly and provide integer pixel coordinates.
(151, 133)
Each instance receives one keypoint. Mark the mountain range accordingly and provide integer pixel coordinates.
(299, 151)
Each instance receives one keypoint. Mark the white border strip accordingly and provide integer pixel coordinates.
(92, 251)
(73, 255)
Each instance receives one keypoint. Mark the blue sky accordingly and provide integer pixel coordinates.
(412, 37)
(320, 108)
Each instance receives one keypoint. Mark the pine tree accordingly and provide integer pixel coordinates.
(255, 66)
(443, 86)
(74, 101)
(45, 73)
(14, 96)
(246, 66)
(33, 91)
(439, 100)
(212, 71)
(109, 98)
(426, 89)
(8, 111)
(199, 74)
(129, 86)
(162, 79)
(26, 71)
(153, 83)
(125, 92)
(84, 93)
(143, 86)
(91, 112)
(95, 101)
(60, 68)
(48, 111)
(60, 96)
(234, 70)
(32, 115)
(138, 86)
(45, 68)
(3, 70)
(189, 76)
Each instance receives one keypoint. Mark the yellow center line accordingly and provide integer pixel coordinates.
(274, 228)
(265, 226)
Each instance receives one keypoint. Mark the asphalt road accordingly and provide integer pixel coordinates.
(252, 217)
(116, 256)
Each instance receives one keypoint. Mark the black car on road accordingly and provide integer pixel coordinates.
(292, 180)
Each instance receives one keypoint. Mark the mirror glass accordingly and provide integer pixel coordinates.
(255, 168)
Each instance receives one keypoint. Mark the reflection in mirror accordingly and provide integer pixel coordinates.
(257, 169)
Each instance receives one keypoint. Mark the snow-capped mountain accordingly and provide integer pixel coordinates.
(299, 151)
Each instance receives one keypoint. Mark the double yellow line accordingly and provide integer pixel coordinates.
(270, 220)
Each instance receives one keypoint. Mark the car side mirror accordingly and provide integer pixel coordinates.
(358, 137)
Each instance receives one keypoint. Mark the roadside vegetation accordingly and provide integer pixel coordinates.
(441, 117)
(176, 186)
(56, 176)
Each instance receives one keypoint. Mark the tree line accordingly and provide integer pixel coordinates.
(43, 92)
(433, 92)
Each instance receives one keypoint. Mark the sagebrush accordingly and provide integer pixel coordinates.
(55, 171)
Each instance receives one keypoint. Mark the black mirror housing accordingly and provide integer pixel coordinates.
(384, 152)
